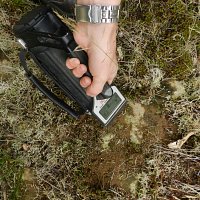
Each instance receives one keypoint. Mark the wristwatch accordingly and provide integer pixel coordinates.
(97, 13)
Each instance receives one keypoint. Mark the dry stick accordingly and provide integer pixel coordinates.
(181, 152)
(4, 195)
(192, 197)
(179, 143)
(67, 21)
(53, 186)
(191, 188)
(176, 197)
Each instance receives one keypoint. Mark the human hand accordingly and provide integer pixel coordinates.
(99, 41)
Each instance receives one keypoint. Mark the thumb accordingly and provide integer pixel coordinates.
(96, 87)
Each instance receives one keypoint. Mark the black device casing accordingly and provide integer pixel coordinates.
(51, 42)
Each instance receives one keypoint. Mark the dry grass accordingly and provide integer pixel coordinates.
(158, 46)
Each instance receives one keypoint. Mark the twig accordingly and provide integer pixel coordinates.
(179, 143)
(180, 152)
(4, 195)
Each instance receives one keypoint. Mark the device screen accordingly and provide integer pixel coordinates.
(110, 106)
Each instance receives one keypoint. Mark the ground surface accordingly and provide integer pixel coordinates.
(46, 155)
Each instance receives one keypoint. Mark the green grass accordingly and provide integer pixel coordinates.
(14, 3)
(11, 170)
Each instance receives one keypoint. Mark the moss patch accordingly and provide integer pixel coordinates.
(11, 170)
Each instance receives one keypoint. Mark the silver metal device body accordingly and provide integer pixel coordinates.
(107, 109)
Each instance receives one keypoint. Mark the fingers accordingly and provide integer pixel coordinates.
(95, 87)
(85, 81)
(79, 71)
(72, 63)
(77, 68)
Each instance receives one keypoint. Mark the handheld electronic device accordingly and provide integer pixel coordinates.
(50, 42)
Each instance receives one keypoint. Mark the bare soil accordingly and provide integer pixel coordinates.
(109, 167)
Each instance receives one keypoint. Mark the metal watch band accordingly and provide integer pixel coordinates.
(97, 13)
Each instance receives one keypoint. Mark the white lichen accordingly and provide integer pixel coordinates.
(156, 76)
(106, 140)
(135, 120)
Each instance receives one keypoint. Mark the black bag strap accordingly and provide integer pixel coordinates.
(44, 89)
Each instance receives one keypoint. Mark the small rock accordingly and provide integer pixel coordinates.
(25, 147)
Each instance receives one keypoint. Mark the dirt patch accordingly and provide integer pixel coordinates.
(125, 146)
(29, 180)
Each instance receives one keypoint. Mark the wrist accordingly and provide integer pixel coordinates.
(96, 31)
(100, 36)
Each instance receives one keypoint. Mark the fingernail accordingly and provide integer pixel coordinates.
(74, 60)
